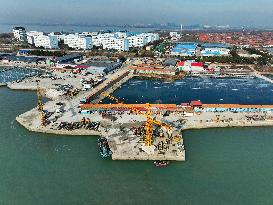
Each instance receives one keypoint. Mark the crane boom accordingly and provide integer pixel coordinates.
(149, 120)
(40, 104)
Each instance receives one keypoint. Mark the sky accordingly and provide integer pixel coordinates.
(258, 13)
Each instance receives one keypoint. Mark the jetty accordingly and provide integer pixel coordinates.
(258, 75)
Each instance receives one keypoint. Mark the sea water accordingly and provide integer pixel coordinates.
(227, 91)
(223, 166)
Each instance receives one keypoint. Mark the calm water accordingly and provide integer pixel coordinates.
(7, 28)
(16, 74)
(243, 91)
(224, 166)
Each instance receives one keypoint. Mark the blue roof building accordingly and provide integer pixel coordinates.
(69, 58)
(184, 49)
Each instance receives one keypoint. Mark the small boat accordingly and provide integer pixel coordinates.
(104, 148)
(160, 163)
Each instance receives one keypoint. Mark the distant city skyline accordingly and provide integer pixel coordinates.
(207, 12)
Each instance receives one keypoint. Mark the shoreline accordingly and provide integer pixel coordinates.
(231, 125)
(44, 130)
(124, 145)
(83, 132)
(114, 86)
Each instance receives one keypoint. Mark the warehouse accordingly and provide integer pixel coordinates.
(184, 49)
(69, 58)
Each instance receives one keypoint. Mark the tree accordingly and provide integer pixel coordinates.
(122, 59)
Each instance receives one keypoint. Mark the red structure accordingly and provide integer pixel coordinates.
(196, 104)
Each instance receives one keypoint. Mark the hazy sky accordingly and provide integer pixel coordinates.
(211, 12)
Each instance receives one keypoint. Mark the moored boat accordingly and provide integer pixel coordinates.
(160, 163)
(104, 148)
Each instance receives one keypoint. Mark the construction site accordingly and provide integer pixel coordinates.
(129, 131)
(135, 135)
(132, 131)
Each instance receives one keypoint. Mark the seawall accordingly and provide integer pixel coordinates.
(45, 130)
(226, 125)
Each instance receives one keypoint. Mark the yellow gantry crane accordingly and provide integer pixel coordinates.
(149, 120)
(40, 104)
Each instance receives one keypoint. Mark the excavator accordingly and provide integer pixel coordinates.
(149, 120)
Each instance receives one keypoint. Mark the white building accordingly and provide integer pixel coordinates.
(215, 51)
(116, 41)
(90, 33)
(120, 44)
(121, 35)
(151, 37)
(77, 41)
(49, 42)
(122, 41)
(100, 39)
(142, 39)
(175, 35)
(59, 35)
(20, 33)
(137, 41)
(31, 35)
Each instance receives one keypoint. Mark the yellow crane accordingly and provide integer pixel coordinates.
(149, 120)
(40, 104)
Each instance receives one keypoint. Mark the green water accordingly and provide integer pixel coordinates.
(224, 166)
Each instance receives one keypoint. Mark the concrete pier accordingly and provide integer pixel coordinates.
(258, 75)
(113, 86)
(126, 145)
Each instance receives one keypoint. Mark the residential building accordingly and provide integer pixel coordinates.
(119, 44)
(151, 37)
(143, 39)
(100, 39)
(77, 41)
(123, 40)
(175, 34)
(137, 41)
(31, 35)
(121, 35)
(48, 42)
(90, 33)
(60, 36)
(20, 33)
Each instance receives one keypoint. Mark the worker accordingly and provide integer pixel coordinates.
(83, 120)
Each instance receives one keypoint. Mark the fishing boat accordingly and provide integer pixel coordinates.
(104, 148)
(161, 163)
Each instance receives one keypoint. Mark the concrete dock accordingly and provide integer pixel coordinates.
(127, 145)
